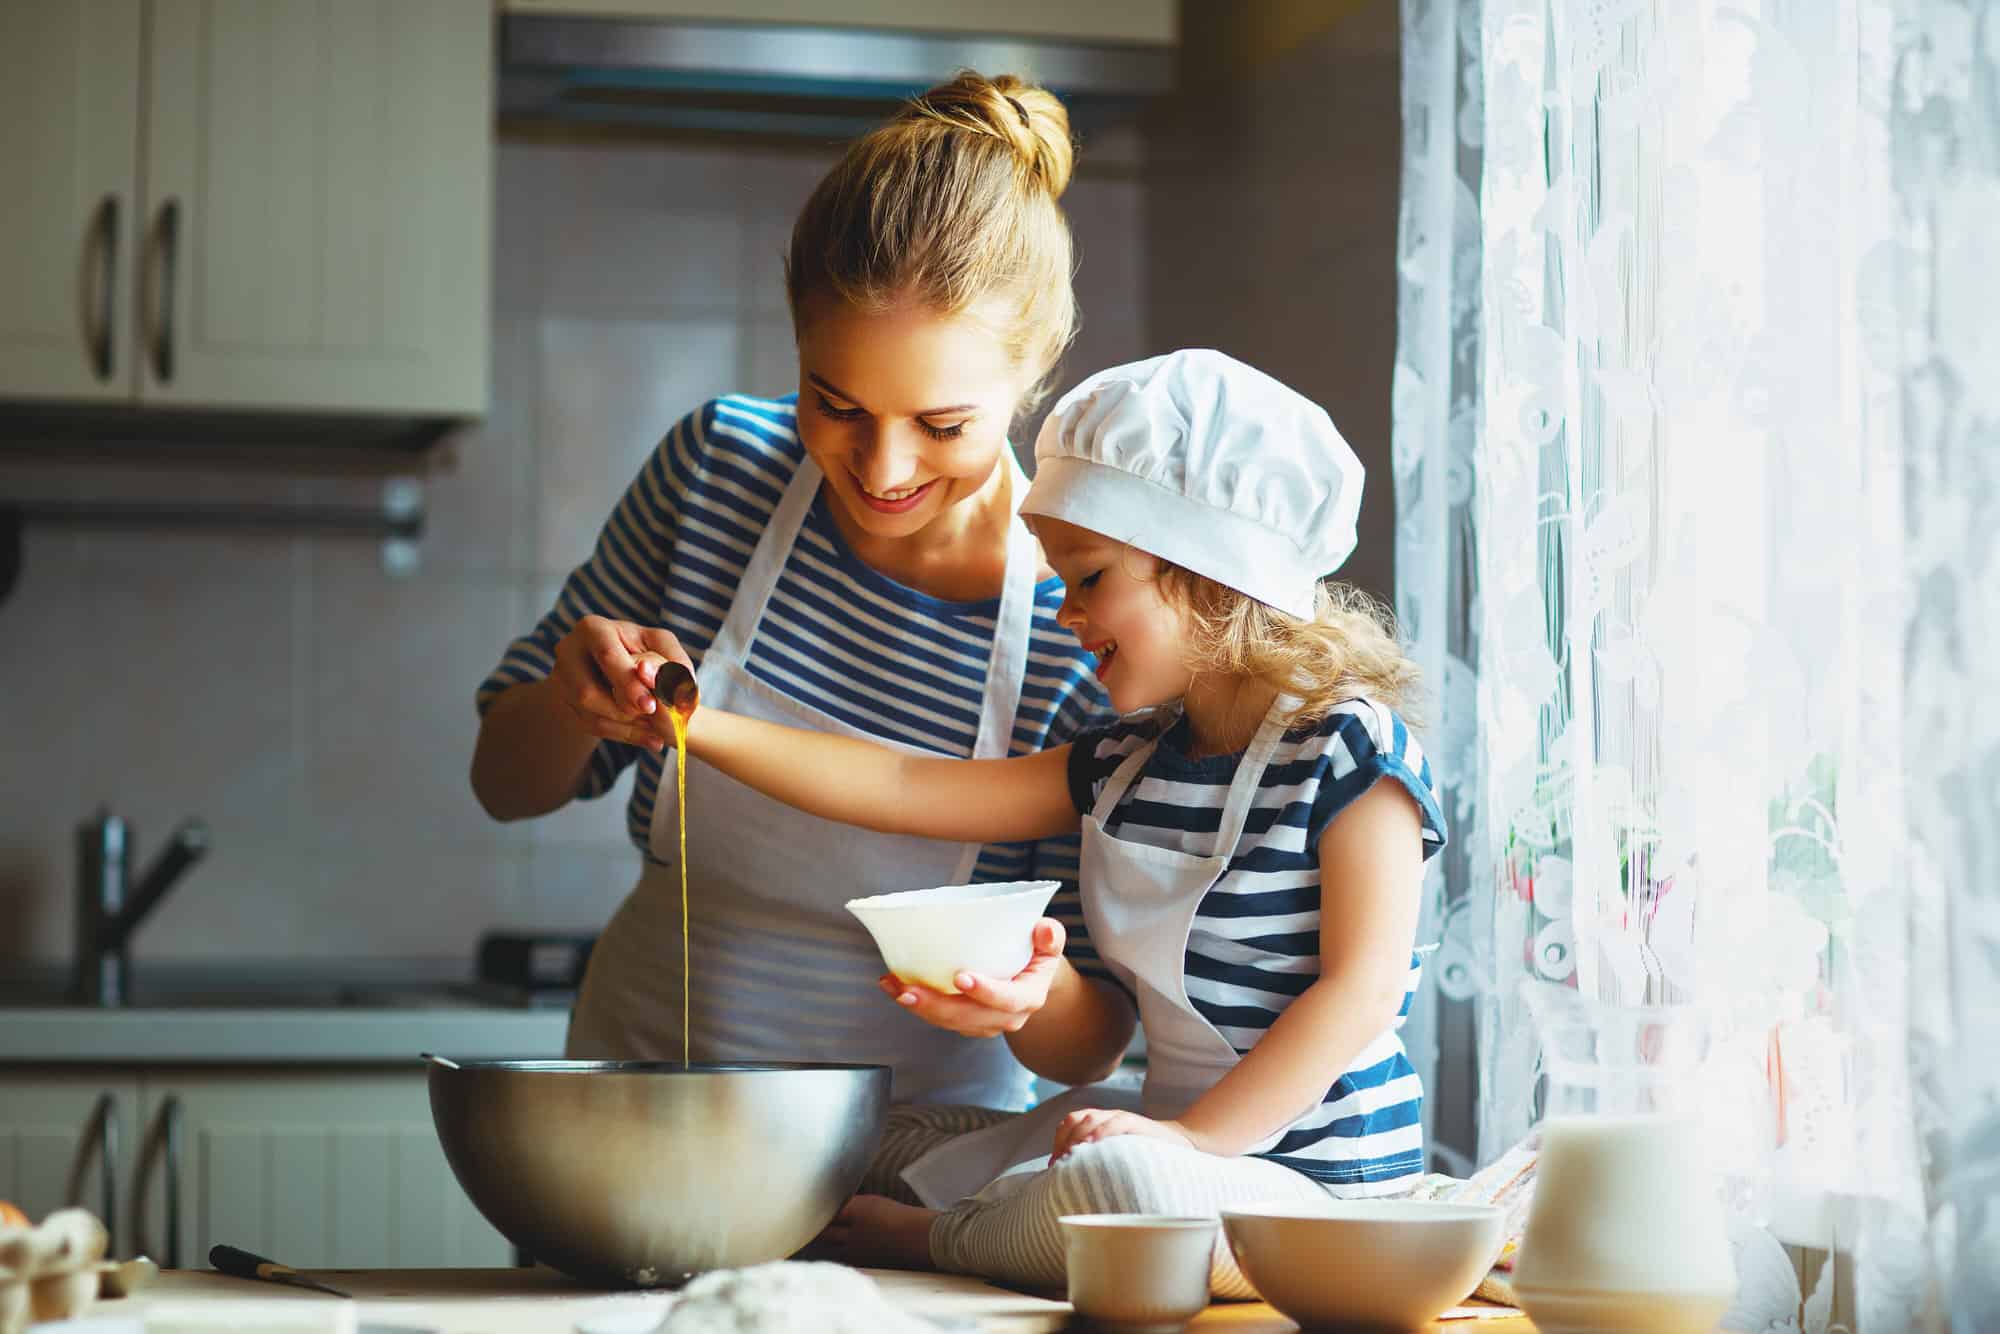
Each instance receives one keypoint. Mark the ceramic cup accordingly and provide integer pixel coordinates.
(1139, 1273)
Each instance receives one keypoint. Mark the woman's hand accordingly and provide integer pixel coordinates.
(987, 1007)
(1094, 1123)
(598, 674)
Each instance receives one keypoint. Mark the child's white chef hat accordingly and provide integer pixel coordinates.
(1201, 460)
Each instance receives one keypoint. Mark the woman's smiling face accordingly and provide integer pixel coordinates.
(1112, 604)
(904, 409)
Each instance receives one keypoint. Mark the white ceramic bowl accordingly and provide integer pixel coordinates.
(1390, 1263)
(929, 936)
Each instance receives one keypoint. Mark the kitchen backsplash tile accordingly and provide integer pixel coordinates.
(576, 886)
(480, 507)
(645, 261)
(371, 645)
(610, 390)
(771, 356)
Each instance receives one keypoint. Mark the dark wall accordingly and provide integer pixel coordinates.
(1271, 215)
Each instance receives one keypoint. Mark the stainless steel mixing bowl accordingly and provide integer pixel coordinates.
(642, 1172)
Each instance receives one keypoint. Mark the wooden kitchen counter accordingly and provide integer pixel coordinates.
(540, 1301)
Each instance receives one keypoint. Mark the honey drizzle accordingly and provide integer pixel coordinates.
(680, 723)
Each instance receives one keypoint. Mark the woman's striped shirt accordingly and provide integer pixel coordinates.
(836, 634)
(1254, 943)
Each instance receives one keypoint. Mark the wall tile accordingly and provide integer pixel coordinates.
(199, 710)
(204, 722)
(771, 357)
(389, 720)
(54, 675)
(610, 390)
(620, 260)
(422, 899)
(527, 195)
(576, 887)
(479, 481)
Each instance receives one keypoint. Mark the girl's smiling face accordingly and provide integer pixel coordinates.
(1112, 604)
(905, 409)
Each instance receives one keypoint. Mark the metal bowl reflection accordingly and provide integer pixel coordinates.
(644, 1172)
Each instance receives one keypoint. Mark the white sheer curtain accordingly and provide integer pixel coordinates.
(1697, 455)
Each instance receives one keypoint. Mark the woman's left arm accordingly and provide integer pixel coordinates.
(1370, 865)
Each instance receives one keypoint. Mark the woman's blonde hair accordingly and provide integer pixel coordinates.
(1348, 648)
(955, 200)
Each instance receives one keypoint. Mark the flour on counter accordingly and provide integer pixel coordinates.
(785, 1296)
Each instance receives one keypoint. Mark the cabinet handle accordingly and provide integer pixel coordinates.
(167, 244)
(104, 238)
(100, 1141)
(163, 1141)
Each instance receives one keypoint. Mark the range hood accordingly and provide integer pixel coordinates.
(790, 80)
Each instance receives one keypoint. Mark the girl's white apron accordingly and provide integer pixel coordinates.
(1139, 902)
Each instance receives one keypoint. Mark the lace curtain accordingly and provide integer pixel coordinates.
(1697, 463)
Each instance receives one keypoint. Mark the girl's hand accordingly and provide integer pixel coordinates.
(598, 675)
(1093, 1123)
(987, 1007)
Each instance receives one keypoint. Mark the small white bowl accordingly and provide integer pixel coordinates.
(1138, 1273)
(929, 936)
(1390, 1263)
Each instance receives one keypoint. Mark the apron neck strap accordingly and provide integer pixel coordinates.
(1013, 626)
(1242, 788)
(760, 575)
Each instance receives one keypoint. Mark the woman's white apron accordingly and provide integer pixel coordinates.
(781, 970)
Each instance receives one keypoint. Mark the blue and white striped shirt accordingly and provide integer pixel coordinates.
(1254, 944)
(836, 634)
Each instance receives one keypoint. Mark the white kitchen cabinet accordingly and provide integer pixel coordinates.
(315, 1167)
(52, 1150)
(304, 203)
(69, 99)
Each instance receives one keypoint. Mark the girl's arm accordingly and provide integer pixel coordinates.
(890, 791)
(1370, 864)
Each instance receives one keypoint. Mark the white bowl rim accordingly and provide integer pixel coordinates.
(997, 891)
(1371, 1211)
(1163, 1222)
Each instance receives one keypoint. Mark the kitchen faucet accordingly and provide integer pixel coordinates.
(105, 918)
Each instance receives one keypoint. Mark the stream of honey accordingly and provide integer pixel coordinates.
(680, 723)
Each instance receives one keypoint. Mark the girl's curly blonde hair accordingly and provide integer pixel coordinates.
(1348, 648)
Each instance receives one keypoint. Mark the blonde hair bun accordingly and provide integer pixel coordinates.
(954, 199)
(1031, 120)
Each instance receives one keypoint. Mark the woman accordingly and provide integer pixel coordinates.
(852, 561)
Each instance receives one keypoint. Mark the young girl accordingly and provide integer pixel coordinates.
(1251, 882)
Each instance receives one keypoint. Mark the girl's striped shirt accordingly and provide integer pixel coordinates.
(836, 634)
(1254, 943)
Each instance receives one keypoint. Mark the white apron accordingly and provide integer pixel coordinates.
(1139, 902)
(781, 971)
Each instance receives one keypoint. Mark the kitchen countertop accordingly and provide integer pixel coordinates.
(76, 1035)
(540, 1301)
(236, 1012)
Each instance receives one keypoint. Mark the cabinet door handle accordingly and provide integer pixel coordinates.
(100, 1141)
(166, 252)
(162, 1142)
(104, 239)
